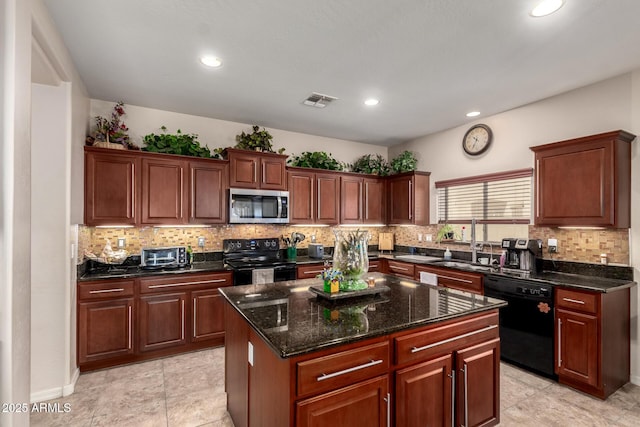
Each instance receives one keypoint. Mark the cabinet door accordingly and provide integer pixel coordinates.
(105, 329)
(243, 170)
(351, 200)
(327, 198)
(110, 188)
(302, 197)
(577, 352)
(164, 191)
(401, 200)
(208, 192)
(362, 404)
(424, 394)
(478, 384)
(374, 201)
(273, 175)
(162, 321)
(208, 315)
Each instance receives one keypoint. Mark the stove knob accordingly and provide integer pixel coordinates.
(267, 244)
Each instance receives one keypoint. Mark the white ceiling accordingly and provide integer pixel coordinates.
(428, 61)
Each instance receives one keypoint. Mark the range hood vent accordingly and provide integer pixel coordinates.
(319, 100)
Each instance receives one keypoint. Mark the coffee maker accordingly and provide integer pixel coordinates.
(522, 254)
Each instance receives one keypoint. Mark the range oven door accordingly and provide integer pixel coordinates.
(281, 273)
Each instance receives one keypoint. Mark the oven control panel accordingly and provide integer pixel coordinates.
(537, 291)
(241, 245)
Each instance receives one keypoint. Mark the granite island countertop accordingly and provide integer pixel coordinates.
(294, 321)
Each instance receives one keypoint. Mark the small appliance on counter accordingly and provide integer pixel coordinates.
(385, 242)
(522, 254)
(161, 258)
(316, 250)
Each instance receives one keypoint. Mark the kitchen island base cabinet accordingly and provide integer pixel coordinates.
(363, 404)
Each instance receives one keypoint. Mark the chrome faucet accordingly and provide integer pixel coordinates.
(474, 247)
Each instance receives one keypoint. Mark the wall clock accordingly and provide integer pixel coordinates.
(477, 139)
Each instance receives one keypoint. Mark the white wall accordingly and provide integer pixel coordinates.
(221, 133)
(49, 254)
(605, 106)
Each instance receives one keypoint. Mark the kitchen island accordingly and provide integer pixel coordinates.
(411, 352)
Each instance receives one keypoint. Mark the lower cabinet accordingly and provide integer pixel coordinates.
(363, 404)
(122, 321)
(454, 279)
(592, 335)
(402, 269)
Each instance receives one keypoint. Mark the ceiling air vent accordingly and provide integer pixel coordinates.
(318, 100)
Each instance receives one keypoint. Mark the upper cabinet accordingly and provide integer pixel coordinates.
(315, 196)
(110, 191)
(584, 181)
(134, 188)
(408, 201)
(253, 169)
(362, 200)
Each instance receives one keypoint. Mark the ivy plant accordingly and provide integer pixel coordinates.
(372, 164)
(185, 144)
(315, 159)
(404, 162)
(258, 140)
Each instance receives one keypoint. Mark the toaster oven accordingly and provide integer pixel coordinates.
(166, 257)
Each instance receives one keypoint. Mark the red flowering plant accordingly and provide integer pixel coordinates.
(113, 130)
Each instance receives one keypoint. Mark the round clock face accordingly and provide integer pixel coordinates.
(477, 140)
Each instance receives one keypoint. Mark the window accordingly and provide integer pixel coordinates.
(500, 203)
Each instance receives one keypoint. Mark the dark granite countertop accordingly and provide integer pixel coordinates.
(127, 272)
(294, 321)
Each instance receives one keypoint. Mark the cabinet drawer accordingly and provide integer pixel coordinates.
(346, 367)
(309, 271)
(420, 346)
(374, 266)
(401, 269)
(174, 282)
(576, 300)
(105, 289)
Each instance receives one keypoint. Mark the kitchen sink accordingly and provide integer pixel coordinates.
(461, 265)
(423, 258)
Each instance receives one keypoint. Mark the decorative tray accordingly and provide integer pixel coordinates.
(336, 296)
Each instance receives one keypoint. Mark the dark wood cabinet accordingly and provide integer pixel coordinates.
(249, 169)
(315, 197)
(110, 187)
(592, 336)
(162, 321)
(455, 279)
(362, 404)
(408, 198)
(207, 312)
(584, 181)
(478, 384)
(424, 393)
(309, 271)
(106, 318)
(402, 269)
(164, 194)
(129, 320)
(362, 200)
(208, 192)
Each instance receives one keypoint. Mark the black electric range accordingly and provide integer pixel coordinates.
(257, 261)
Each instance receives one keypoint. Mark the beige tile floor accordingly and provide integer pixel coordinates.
(188, 390)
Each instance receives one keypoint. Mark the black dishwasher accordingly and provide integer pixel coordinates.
(526, 324)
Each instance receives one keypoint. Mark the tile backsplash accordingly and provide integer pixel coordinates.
(581, 245)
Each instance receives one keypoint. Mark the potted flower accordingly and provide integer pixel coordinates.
(259, 140)
(111, 133)
(332, 278)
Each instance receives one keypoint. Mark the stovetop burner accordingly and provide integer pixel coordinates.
(253, 253)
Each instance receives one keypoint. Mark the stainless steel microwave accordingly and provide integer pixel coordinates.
(248, 206)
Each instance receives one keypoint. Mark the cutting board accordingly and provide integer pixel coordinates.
(385, 242)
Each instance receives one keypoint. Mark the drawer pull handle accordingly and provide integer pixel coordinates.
(346, 371)
(168, 285)
(575, 301)
(448, 340)
(455, 279)
(104, 291)
(313, 272)
(395, 267)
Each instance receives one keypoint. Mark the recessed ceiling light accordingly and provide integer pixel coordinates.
(371, 102)
(211, 61)
(546, 7)
(473, 114)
